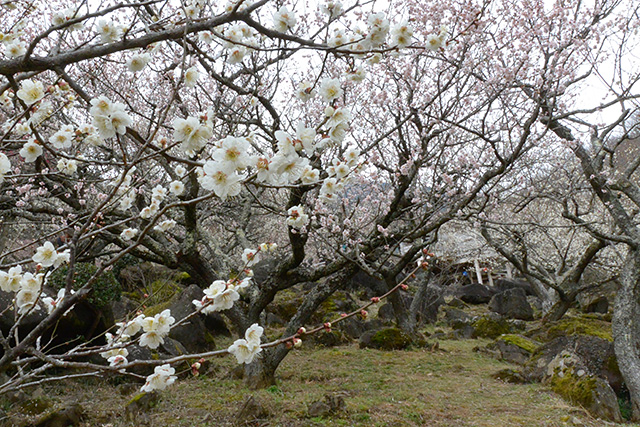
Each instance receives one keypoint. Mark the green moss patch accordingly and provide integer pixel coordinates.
(579, 326)
(524, 343)
(486, 327)
(577, 390)
(390, 339)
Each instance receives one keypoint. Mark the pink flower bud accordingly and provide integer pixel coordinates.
(404, 287)
(302, 331)
(375, 299)
(364, 314)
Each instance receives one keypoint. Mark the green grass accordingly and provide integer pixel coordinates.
(448, 387)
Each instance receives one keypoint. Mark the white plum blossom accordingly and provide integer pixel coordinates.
(296, 217)
(330, 89)
(434, 42)
(30, 91)
(191, 76)
(306, 136)
(218, 179)
(357, 75)
(191, 133)
(5, 166)
(138, 62)
(62, 139)
(378, 30)
(287, 169)
(50, 304)
(45, 255)
(284, 20)
(310, 175)
(62, 258)
(217, 297)
(305, 91)
(401, 35)
(332, 8)
(176, 188)
(165, 225)
(67, 166)
(108, 31)
(26, 300)
(149, 211)
(232, 154)
(245, 350)
(254, 333)
(132, 327)
(10, 281)
(250, 257)
(159, 193)
(161, 378)
(109, 118)
(15, 49)
(285, 143)
(31, 151)
(129, 233)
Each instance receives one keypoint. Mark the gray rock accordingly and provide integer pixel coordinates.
(599, 304)
(512, 303)
(475, 293)
(502, 285)
(194, 334)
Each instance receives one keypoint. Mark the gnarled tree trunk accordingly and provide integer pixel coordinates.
(625, 328)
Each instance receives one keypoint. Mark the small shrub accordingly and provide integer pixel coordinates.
(104, 290)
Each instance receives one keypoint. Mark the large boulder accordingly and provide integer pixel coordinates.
(512, 303)
(475, 293)
(568, 376)
(596, 356)
(514, 348)
(502, 285)
(195, 334)
(594, 304)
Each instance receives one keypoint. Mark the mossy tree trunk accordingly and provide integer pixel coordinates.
(625, 329)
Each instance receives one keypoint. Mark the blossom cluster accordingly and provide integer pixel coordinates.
(28, 286)
(246, 349)
(154, 330)
(161, 378)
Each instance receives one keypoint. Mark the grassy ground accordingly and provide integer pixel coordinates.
(449, 387)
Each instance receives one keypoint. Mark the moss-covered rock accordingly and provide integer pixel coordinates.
(590, 392)
(586, 325)
(581, 326)
(385, 339)
(520, 341)
(490, 327)
(575, 389)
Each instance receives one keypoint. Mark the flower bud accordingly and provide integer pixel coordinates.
(364, 314)
(327, 326)
(297, 342)
(375, 299)
(302, 331)
(289, 345)
(404, 287)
